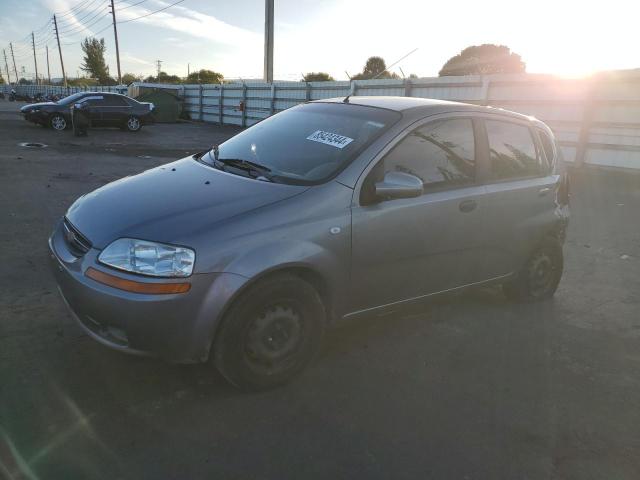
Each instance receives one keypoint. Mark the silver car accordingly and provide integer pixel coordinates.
(244, 254)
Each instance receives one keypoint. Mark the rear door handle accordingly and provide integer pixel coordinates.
(543, 191)
(467, 206)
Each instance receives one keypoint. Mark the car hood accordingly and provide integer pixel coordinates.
(31, 106)
(170, 203)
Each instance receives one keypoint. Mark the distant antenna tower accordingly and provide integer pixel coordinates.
(158, 64)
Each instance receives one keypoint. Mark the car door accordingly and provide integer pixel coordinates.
(521, 187)
(116, 110)
(411, 247)
(95, 104)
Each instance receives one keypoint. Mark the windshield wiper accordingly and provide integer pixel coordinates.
(247, 166)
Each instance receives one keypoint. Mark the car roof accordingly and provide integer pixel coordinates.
(428, 106)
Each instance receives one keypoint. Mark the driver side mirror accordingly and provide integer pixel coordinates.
(398, 185)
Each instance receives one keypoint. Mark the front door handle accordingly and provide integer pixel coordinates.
(467, 206)
(543, 191)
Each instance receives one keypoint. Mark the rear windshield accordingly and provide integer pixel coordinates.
(310, 143)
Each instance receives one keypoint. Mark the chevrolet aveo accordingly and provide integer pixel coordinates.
(242, 255)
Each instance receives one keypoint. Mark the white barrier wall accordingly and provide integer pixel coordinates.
(597, 120)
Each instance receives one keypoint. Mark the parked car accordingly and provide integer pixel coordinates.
(105, 110)
(243, 254)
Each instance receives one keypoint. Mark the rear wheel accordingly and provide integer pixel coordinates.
(539, 277)
(58, 122)
(270, 333)
(133, 124)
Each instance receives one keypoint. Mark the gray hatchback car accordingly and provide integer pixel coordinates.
(242, 255)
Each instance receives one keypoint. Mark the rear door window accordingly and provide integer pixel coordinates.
(114, 101)
(512, 151)
(440, 153)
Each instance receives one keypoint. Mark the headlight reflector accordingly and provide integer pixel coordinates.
(149, 258)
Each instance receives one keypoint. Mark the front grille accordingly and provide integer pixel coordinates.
(78, 244)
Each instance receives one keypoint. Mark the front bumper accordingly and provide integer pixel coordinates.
(176, 327)
(38, 117)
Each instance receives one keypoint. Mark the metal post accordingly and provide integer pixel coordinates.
(55, 26)
(200, 116)
(221, 104)
(486, 86)
(307, 92)
(6, 65)
(244, 105)
(48, 71)
(272, 106)
(268, 41)
(407, 87)
(35, 60)
(14, 62)
(585, 127)
(115, 33)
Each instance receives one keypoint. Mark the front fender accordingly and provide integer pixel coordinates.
(328, 265)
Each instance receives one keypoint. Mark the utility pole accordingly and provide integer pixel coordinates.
(48, 72)
(158, 65)
(115, 33)
(35, 60)
(188, 68)
(6, 65)
(14, 63)
(268, 41)
(55, 26)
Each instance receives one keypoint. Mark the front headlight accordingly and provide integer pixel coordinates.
(149, 258)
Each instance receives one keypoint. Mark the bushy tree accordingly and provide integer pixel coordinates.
(484, 59)
(163, 77)
(129, 78)
(317, 77)
(375, 67)
(204, 76)
(93, 62)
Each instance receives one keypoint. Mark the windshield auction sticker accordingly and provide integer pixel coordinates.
(328, 138)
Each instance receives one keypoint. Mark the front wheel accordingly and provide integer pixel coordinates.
(133, 124)
(539, 277)
(58, 122)
(270, 333)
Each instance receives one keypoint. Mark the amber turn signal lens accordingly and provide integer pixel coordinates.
(136, 287)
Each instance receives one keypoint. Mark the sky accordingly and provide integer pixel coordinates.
(568, 38)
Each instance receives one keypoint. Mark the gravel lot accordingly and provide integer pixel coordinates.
(467, 387)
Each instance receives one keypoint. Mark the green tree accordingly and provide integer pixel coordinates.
(374, 68)
(204, 76)
(163, 77)
(317, 77)
(94, 63)
(484, 59)
(1, 79)
(129, 78)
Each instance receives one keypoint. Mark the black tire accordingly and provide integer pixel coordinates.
(270, 333)
(58, 122)
(539, 277)
(133, 124)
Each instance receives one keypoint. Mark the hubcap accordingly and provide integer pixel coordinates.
(58, 123)
(541, 273)
(273, 337)
(133, 123)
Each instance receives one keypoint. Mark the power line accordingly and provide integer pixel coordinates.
(81, 6)
(153, 13)
(131, 5)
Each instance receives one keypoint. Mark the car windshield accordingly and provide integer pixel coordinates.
(310, 143)
(71, 98)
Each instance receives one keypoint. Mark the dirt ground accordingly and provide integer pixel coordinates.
(467, 387)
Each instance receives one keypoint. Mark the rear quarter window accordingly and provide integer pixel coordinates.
(512, 151)
(548, 149)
